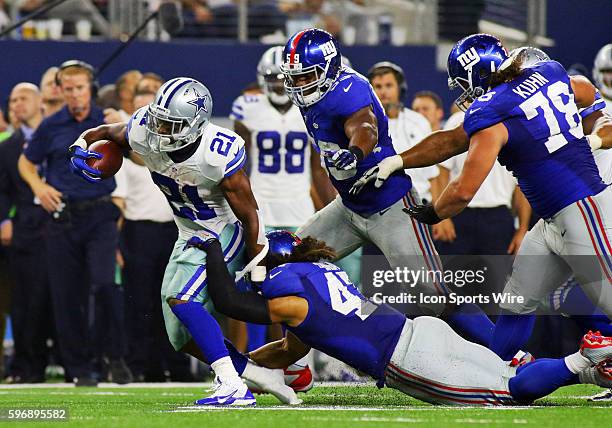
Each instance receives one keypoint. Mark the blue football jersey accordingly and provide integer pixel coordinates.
(325, 124)
(546, 150)
(340, 321)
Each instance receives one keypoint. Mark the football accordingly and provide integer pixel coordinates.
(112, 157)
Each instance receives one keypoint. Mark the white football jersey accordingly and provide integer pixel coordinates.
(279, 153)
(192, 186)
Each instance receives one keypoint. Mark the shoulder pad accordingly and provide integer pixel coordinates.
(282, 281)
(242, 104)
(222, 147)
(136, 132)
(350, 93)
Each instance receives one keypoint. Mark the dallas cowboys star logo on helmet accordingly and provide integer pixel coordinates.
(199, 102)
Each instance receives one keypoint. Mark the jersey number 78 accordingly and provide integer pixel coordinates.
(553, 106)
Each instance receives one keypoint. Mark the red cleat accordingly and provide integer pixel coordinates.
(595, 347)
(299, 378)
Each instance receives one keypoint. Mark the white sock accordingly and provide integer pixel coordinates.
(588, 376)
(300, 364)
(225, 370)
(577, 362)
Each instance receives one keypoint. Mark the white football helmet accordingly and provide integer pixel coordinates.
(602, 70)
(530, 54)
(269, 76)
(178, 115)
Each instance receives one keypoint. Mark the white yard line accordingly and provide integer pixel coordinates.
(164, 385)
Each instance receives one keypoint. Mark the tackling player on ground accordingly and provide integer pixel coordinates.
(199, 168)
(424, 358)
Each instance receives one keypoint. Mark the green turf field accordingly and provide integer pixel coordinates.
(329, 406)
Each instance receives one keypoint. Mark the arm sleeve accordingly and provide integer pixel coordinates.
(249, 307)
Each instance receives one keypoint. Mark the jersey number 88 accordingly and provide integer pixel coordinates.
(269, 145)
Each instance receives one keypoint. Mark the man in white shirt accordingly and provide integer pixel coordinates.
(406, 126)
(487, 226)
(147, 239)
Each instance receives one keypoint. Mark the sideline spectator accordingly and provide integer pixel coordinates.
(150, 82)
(81, 235)
(30, 311)
(52, 98)
(429, 104)
(125, 86)
(70, 12)
(406, 126)
(106, 97)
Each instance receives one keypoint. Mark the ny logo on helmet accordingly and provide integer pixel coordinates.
(329, 50)
(469, 58)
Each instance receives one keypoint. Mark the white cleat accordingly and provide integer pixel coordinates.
(228, 394)
(271, 381)
(605, 395)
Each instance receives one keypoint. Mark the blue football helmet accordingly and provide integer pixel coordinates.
(311, 64)
(282, 242)
(471, 63)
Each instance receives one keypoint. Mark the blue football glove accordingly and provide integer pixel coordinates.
(201, 243)
(78, 164)
(344, 159)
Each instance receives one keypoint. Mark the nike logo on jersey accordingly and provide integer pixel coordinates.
(273, 275)
(475, 110)
(384, 211)
(348, 87)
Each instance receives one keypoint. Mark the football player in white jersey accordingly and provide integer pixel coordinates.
(199, 167)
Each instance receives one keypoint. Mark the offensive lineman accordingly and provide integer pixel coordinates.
(199, 168)
(423, 358)
(349, 126)
(529, 117)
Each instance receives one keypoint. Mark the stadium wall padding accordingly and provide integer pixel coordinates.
(223, 67)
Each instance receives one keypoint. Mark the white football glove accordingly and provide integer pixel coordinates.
(594, 141)
(380, 172)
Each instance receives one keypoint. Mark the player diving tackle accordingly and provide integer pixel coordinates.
(423, 357)
(527, 117)
(199, 168)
